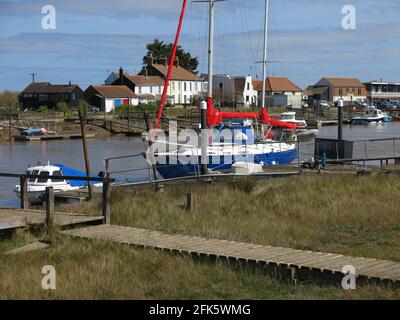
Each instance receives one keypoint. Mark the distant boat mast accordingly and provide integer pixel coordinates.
(264, 62)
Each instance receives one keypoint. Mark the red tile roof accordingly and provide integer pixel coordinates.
(178, 73)
(345, 82)
(146, 81)
(276, 84)
(114, 91)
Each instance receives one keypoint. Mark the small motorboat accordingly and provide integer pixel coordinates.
(290, 117)
(371, 115)
(37, 186)
(34, 132)
(307, 134)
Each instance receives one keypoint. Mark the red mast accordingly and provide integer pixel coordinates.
(171, 64)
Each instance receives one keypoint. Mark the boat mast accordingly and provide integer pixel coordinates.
(203, 114)
(264, 62)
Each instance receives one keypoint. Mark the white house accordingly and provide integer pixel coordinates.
(107, 97)
(237, 90)
(279, 92)
(184, 86)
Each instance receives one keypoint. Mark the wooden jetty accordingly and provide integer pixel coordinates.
(53, 137)
(18, 218)
(297, 265)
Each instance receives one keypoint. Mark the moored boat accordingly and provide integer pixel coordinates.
(37, 186)
(290, 117)
(372, 115)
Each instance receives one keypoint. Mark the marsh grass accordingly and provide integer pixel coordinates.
(335, 213)
(102, 270)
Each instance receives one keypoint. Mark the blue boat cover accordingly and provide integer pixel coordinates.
(67, 171)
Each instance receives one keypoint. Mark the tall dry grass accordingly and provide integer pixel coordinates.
(333, 213)
(101, 270)
(345, 214)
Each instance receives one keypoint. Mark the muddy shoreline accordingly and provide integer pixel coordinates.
(63, 127)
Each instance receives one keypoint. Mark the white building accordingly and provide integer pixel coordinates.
(107, 97)
(184, 86)
(279, 92)
(235, 90)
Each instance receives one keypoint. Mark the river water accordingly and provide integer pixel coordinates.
(16, 157)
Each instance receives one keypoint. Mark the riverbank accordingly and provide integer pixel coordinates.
(354, 215)
(62, 128)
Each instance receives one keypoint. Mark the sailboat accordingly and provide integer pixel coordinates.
(250, 138)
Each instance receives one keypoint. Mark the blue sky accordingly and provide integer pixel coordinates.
(94, 37)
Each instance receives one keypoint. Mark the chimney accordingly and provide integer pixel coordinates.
(69, 83)
(176, 62)
(144, 72)
(164, 61)
(121, 76)
(151, 59)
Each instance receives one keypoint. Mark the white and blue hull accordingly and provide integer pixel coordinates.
(173, 168)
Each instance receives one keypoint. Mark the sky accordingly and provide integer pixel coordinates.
(94, 37)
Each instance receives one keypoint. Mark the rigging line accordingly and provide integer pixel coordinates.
(253, 56)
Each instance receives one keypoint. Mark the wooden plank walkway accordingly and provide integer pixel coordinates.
(17, 218)
(302, 265)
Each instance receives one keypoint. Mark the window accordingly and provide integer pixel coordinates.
(28, 95)
(340, 91)
(184, 98)
(359, 91)
(73, 96)
(248, 86)
(184, 87)
(33, 173)
(191, 87)
(247, 99)
(43, 97)
(57, 174)
(44, 174)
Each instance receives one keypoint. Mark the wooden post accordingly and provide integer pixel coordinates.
(107, 201)
(49, 208)
(191, 201)
(9, 124)
(23, 192)
(82, 120)
(148, 128)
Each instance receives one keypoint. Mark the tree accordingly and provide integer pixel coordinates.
(158, 50)
(7, 99)
(62, 107)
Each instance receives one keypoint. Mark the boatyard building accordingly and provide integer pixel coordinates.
(39, 94)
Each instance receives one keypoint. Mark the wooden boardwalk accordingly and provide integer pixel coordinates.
(297, 265)
(17, 218)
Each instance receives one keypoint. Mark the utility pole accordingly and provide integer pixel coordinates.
(33, 76)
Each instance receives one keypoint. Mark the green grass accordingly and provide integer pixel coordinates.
(333, 213)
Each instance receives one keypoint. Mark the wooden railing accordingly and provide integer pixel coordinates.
(24, 178)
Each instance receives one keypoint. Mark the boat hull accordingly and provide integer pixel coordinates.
(169, 171)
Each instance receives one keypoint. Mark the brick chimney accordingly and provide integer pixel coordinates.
(121, 76)
(176, 62)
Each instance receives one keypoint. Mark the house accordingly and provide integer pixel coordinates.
(107, 97)
(378, 91)
(184, 86)
(39, 94)
(234, 90)
(279, 92)
(346, 89)
(148, 88)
